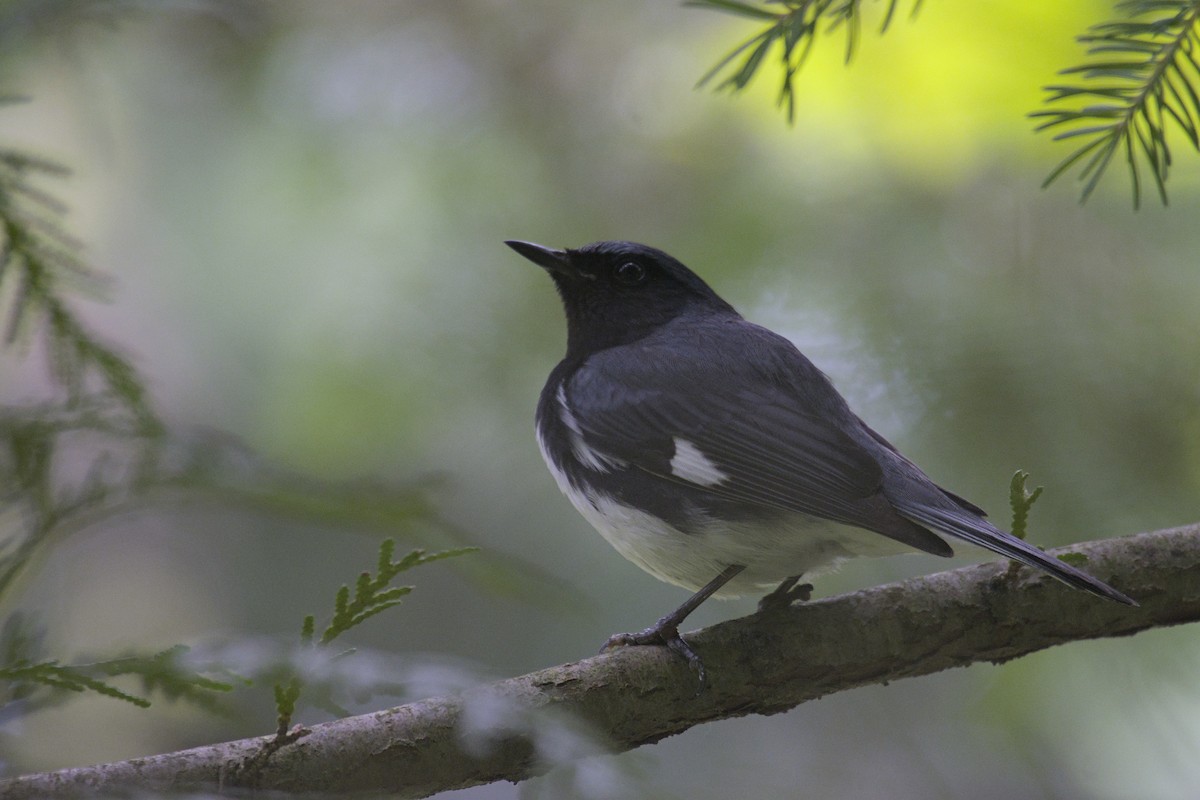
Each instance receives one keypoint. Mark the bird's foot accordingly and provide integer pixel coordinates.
(785, 594)
(663, 632)
(666, 630)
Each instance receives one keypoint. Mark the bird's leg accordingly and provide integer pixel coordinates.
(666, 630)
(785, 594)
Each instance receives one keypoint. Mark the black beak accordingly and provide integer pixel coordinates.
(546, 258)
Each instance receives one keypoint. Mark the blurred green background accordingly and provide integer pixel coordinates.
(302, 206)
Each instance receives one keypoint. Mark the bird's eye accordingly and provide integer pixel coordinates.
(630, 273)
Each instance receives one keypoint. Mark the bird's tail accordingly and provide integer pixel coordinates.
(982, 533)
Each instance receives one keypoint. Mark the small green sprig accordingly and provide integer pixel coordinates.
(1021, 501)
(373, 594)
(163, 672)
(796, 26)
(168, 674)
(58, 677)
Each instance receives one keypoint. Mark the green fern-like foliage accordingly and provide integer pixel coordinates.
(1141, 79)
(102, 393)
(33, 681)
(168, 674)
(795, 26)
(103, 399)
(1021, 501)
(373, 594)
(40, 262)
(52, 675)
(99, 415)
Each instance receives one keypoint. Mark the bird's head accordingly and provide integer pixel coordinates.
(616, 293)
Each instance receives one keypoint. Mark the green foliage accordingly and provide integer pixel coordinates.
(55, 676)
(168, 674)
(35, 683)
(795, 27)
(38, 260)
(1021, 501)
(286, 697)
(32, 441)
(39, 264)
(103, 419)
(1140, 79)
(372, 595)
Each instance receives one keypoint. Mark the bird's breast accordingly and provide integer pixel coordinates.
(669, 530)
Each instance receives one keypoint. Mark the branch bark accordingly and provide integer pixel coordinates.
(760, 664)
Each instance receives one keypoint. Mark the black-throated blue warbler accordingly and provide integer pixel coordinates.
(714, 455)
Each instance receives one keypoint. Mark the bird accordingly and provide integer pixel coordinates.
(713, 454)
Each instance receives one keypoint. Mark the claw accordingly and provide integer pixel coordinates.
(678, 646)
(666, 630)
(661, 633)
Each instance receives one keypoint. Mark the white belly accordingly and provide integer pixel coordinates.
(797, 545)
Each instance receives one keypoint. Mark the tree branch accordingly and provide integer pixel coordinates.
(760, 664)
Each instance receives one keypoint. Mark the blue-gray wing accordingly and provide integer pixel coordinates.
(746, 438)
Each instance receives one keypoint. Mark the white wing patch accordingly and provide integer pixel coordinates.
(693, 466)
